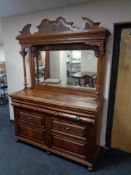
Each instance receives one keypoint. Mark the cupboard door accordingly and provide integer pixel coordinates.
(69, 137)
(30, 133)
(69, 146)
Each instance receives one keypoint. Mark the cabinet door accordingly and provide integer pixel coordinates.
(31, 133)
(69, 146)
(30, 126)
(69, 138)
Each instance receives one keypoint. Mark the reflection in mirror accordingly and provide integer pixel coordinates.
(66, 68)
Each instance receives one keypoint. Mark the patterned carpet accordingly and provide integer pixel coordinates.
(17, 158)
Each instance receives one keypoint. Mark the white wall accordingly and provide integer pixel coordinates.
(2, 53)
(88, 61)
(54, 64)
(63, 67)
(1, 36)
(105, 11)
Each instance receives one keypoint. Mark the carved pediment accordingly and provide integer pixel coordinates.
(60, 25)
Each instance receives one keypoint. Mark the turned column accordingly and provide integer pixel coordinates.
(100, 70)
(23, 54)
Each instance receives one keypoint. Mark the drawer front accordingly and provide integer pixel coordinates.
(30, 133)
(31, 118)
(73, 129)
(69, 146)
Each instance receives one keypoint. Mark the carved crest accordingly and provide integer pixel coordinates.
(26, 30)
(60, 25)
(89, 24)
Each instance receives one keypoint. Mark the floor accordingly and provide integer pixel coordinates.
(17, 158)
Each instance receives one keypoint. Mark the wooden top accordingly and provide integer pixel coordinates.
(59, 99)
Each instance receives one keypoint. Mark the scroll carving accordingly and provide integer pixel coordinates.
(60, 25)
(26, 30)
(89, 24)
(98, 47)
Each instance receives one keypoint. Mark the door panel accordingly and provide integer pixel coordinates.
(73, 147)
(121, 131)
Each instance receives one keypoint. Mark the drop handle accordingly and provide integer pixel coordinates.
(67, 129)
(29, 118)
(56, 114)
(77, 118)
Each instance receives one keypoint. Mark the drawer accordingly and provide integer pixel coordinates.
(30, 133)
(31, 118)
(73, 129)
(66, 145)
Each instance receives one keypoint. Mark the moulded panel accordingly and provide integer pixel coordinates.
(68, 145)
(31, 133)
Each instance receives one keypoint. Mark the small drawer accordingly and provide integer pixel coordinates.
(31, 118)
(31, 133)
(73, 129)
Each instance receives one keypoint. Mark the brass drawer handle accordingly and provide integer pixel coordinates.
(67, 129)
(29, 118)
(56, 113)
(77, 118)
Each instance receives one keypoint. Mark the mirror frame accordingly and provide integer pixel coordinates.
(60, 34)
(38, 49)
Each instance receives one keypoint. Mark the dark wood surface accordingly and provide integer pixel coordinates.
(65, 121)
(59, 123)
(60, 99)
(92, 37)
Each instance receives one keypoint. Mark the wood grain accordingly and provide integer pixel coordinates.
(65, 121)
(121, 132)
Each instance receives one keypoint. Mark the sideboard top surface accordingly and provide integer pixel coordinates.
(59, 99)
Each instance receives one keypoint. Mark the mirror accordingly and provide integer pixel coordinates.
(76, 68)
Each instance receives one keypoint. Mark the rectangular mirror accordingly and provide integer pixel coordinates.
(68, 68)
